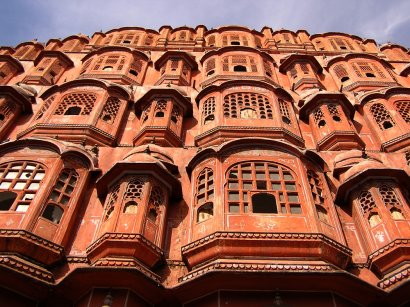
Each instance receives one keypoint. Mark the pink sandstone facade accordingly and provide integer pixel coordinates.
(196, 167)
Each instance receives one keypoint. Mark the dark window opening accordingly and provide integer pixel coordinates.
(264, 203)
(2, 117)
(344, 79)
(321, 123)
(52, 74)
(152, 215)
(261, 185)
(286, 120)
(239, 68)
(130, 207)
(73, 111)
(268, 74)
(7, 200)
(235, 43)
(343, 48)
(159, 114)
(145, 119)
(205, 212)
(174, 119)
(133, 72)
(209, 118)
(387, 125)
(126, 42)
(210, 73)
(107, 118)
(53, 213)
(336, 118)
(107, 68)
(370, 75)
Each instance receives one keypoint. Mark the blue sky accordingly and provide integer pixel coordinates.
(382, 20)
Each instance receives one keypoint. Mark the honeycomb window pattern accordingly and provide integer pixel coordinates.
(319, 117)
(23, 179)
(334, 112)
(133, 194)
(247, 179)
(175, 114)
(367, 203)
(285, 112)
(85, 101)
(388, 196)
(112, 200)
(44, 108)
(340, 71)
(60, 196)
(110, 110)
(381, 116)
(235, 104)
(156, 199)
(403, 107)
(208, 110)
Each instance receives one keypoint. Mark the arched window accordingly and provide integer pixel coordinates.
(60, 196)
(208, 110)
(73, 111)
(262, 187)
(133, 195)
(239, 63)
(211, 41)
(382, 116)
(110, 110)
(403, 107)
(205, 194)
(156, 200)
(19, 183)
(109, 208)
(110, 63)
(319, 118)
(334, 112)
(210, 67)
(285, 112)
(85, 101)
(160, 108)
(369, 208)
(316, 189)
(391, 201)
(234, 104)
(341, 72)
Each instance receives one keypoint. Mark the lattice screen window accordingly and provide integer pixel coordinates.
(316, 189)
(110, 63)
(145, 114)
(305, 68)
(391, 201)
(403, 107)
(382, 116)
(175, 114)
(133, 195)
(268, 68)
(285, 112)
(156, 200)
(60, 196)
(334, 112)
(205, 195)
(85, 66)
(69, 45)
(4, 71)
(247, 105)
(208, 110)
(368, 208)
(341, 44)
(110, 110)
(112, 201)
(341, 72)
(19, 183)
(258, 42)
(262, 187)
(127, 39)
(211, 41)
(108, 39)
(160, 108)
(6, 110)
(136, 67)
(234, 40)
(319, 118)
(293, 72)
(149, 39)
(174, 64)
(44, 108)
(210, 67)
(76, 104)
(408, 157)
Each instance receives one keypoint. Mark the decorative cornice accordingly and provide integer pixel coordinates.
(266, 236)
(173, 263)
(213, 79)
(386, 248)
(403, 274)
(77, 259)
(125, 237)
(368, 83)
(257, 129)
(398, 139)
(31, 237)
(127, 263)
(24, 267)
(256, 267)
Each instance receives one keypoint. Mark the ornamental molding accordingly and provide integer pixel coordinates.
(127, 263)
(388, 247)
(32, 238)
(265, 236)
(368, 83)
(398, 139)
(125, 237)
(224, 77)
(403, 274)
(238, 267)
(21, 266)
(77, 259)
